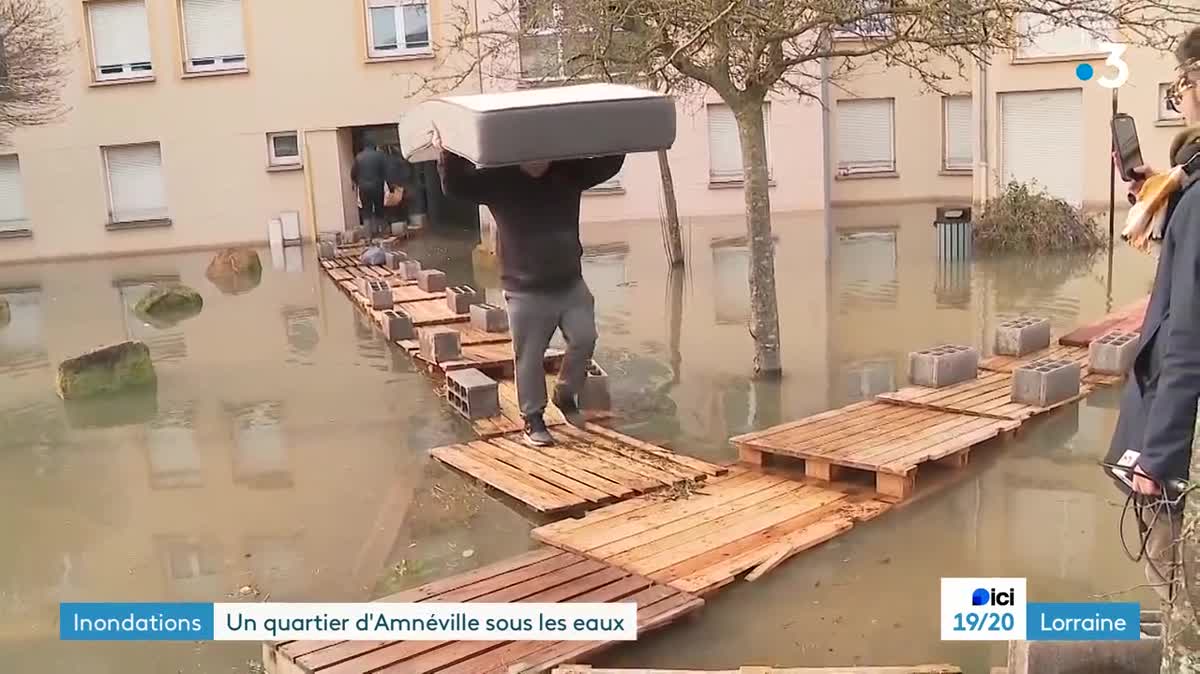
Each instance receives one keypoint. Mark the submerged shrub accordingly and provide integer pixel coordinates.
(1026, 219)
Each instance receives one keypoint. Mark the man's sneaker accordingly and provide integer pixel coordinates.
(536, 433)
(569, 408)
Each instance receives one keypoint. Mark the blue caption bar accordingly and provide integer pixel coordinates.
(126, 621)
(1083, 621)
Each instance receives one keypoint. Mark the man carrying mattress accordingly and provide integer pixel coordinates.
(536, 209)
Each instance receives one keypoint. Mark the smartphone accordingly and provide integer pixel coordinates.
(1129, 150)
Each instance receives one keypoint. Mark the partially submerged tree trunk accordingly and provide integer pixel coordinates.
(764, 308)
(672, 240)
(1181, 624)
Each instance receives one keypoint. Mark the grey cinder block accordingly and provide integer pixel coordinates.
(1113, 353)
(1045, 382)
(394, 259)
(943, 365)
(460, 298)
(1022, 336)
(431, 280)
(473, 394)
(392, 244)
(489, 318)
(326, 249)
(380, 294)
(595, 394)
(397, 325)
(439, 345)
(1069, 657)
(363, 285)
(409, 270)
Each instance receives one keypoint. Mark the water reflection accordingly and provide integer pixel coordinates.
(260, 458)
(166, 343)
(867, 262)
(172, 456)
(22, 344)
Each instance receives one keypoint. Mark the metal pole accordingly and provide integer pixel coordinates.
(1112, 207)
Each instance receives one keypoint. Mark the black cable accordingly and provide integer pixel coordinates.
(1148, 508)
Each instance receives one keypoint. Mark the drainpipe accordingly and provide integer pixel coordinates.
(827, 174)
(984, 181)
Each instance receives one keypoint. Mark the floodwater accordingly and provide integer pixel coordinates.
(284, 455)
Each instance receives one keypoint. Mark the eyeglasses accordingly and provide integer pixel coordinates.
(1174, 94)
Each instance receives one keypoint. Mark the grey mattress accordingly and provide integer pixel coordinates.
(587, 120)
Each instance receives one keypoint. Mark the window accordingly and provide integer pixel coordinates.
(560, 41)
(135, 183)
(213, 35)
(22, 341)
(957, 154)
(397, 27)
(731, 284)
(613, 184)
(120, 39)
(725, 146)
(283, 148)
(866, 264)
(876, 20)
(865, 137)
(12, 196)
(1166, 114)
(1043, 39)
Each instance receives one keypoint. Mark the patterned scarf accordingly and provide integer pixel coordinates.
(1147, 220)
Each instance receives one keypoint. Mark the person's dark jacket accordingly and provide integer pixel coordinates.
(1158, 404)
(397, 172)
(370, 168)
(537, 219)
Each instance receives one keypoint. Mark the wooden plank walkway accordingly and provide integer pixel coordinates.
(1076, 354)
(584, 469)
(988, 396)
(509, 420)
(888, 440)
(545, 575)
(702, 540)
(1128, 318)
(901, 669)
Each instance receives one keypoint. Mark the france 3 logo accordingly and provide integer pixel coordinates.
(983, 609)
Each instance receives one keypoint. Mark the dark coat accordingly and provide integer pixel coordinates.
(369, 169)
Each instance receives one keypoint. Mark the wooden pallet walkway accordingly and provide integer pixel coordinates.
(702, 540)
(750, 669)
(545, 575)
(584, 469)
(890, 441)
(1128, 318)
(509, 420)
(467, 335)
(1076, 354)
(988, 396)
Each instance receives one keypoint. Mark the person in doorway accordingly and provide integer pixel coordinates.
(368, 174)
(536, 209)
(1156, 427)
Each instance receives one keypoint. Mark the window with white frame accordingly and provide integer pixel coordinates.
(213, 35)
(1166, 114)
(874, 19)
(283, 148)
(12, 194)
(957, 154)
(865, 135)
(557, 43)
(397, 27)
(136, 190)
(120, 39)
(1043, 38)
(725, 145)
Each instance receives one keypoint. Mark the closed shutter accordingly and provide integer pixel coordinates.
(957, 140)
(724, 147)
(120, 38)
(1043, 38)
(135, 182)
(864, 135)
(731, 284)
(213, 29)
(12, 196)
(1041, 140)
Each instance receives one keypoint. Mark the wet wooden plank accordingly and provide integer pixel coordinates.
(509, 420)
(1128, 318)
(432, 312)
(410, 292)
(755, 669)
(990, 396)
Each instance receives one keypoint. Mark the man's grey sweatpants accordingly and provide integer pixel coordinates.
(533, 316)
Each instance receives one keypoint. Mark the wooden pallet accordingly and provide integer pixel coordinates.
(988, 396)
(890, 441)
(404, 292)
(1128, 318)
(431, 312)
(585, 468)
(542, 576)
(491, 358)
(1077, 354)
(698, 542)
(467, 336)
(509, 420)
(902, 669)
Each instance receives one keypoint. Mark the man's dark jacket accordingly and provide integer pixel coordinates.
(370, 168)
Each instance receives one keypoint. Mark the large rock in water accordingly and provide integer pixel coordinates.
(108, 369)
(5, 313)
(165, 306)
(235, 270)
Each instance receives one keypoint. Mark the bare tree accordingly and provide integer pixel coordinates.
(33, 67)
(749, 50)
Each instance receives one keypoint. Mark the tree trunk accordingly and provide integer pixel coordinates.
(1181, 624)
(675, 279)
(764, 309)
(672, 241)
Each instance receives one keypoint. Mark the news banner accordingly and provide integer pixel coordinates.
(972, 609)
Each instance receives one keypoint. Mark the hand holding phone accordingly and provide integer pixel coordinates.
(1127, 149)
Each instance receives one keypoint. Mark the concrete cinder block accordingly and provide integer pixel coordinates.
(1022, 336)
(1140, 656)
(943, 365)
(460, 298)
(1045, 382)
(392, 244)
(431, 280)
(394, 259)
(473, 394)
(380, 294)
(489, 318)
(326, 249)
(439, 345)
(1113, 353)
(409, 270)
(595, 394)
(397, 325)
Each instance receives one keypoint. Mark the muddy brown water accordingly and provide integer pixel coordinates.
(283, 456)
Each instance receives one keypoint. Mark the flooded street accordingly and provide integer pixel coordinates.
(284, 456)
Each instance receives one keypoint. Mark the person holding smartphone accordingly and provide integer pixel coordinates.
(1154, 433)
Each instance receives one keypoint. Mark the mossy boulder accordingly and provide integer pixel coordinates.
(235, 270)
(5, 313)
(125, 366)
(165, 306)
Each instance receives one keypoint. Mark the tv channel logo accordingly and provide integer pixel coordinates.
(983, 609)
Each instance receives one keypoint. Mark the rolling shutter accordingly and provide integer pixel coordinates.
(120, 37)
(213, 29)
(135, 182)
(1044, 38)
(957, 141)
(864, 135)
(1041, 140)
(12, 197)
(724, 147)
